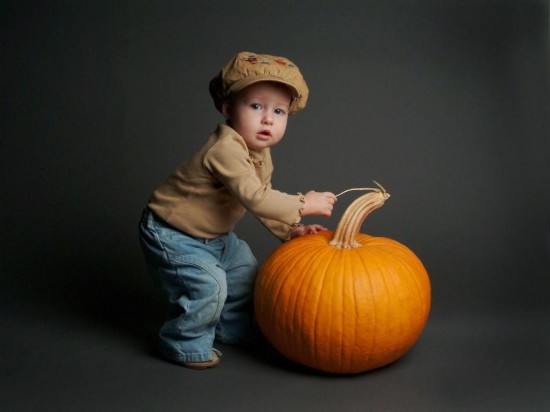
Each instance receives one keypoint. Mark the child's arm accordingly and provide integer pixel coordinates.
(315, 203)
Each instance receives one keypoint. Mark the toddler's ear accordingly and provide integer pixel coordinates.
(226, 110)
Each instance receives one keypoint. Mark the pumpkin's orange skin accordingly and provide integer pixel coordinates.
(342, 310)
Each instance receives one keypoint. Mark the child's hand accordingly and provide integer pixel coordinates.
(306, 230)
(318, 203)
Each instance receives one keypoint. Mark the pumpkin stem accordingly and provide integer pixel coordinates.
(354, 216)
(364, 189)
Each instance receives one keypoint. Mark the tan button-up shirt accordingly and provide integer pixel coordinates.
(209, 193)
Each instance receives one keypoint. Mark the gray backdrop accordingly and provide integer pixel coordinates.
(443, 102)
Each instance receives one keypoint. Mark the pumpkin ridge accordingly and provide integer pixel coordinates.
(394, 330)
(373, 310)
(353, 303)
(415, 271)
(382, 327)
(324, 257)
(393, 290)
(287, 302)
(301, 290)
(275, 284)
(335, 350)
(408, 259)
(341, 301)
(366, 311)
(350, 304)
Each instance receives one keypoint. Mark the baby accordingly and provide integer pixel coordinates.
(187, 229)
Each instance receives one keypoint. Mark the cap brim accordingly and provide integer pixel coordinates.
(248, 81)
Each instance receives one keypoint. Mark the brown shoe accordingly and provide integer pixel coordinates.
(203, 365)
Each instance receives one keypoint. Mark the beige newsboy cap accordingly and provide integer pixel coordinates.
(248, 68)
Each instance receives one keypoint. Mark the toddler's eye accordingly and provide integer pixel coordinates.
(256, 106)
(280, 111)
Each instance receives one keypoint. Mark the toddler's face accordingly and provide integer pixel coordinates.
(259, 113)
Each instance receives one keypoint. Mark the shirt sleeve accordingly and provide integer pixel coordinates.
(229, 161)
(278, 229)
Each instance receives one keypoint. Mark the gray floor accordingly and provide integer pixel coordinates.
(88, 344)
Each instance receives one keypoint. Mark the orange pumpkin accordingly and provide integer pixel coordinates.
(343, 302)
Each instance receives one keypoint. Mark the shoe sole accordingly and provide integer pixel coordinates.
(203, 365)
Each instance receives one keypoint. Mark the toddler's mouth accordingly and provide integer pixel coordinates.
(264, 133)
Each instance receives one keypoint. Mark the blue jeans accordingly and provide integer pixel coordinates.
(209, 283)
